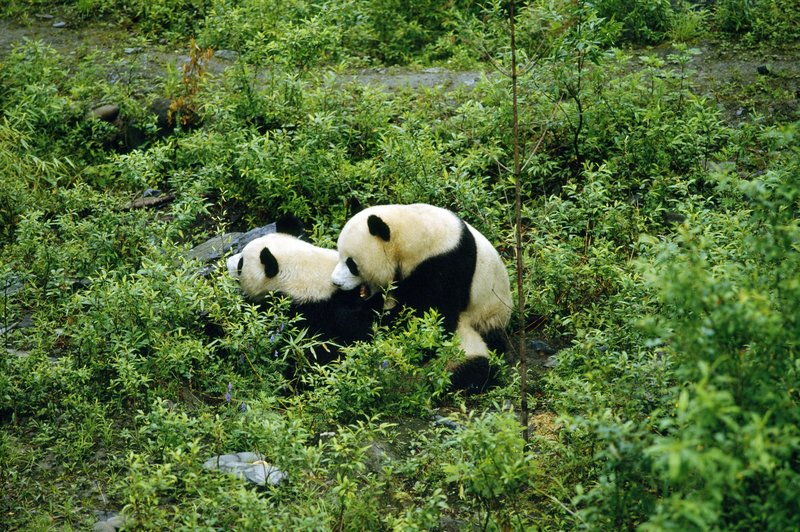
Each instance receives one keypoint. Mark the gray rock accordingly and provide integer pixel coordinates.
(11, 286)
(213, 248)
(248, 466)
(106, 113)
(103, 515)
(117, 521)
(60, 24)
(251, 235)
(249, 457)
(262, 473)
(450, 524)
(216, 247)
(104, 526)
(378, 455)
(447, 423)
(541, 347)
(219, 461)
(132, 50)
(160, 108)
(228, 55)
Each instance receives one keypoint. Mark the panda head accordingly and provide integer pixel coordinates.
(283, 263)
(384, 244)
(365, 249)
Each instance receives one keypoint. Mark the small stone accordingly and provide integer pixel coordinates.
(447, 423)
(60, 24)
(540, 346)
(249, 457)
(262, 473)
(253, 468)
(132, 50)
(377, 456)
(106, 113)
(103, 526)
(671, 217)
(17, 352)
(11, 286)
(117, 521)
(103, 515)
(218, 461)
(228, 55)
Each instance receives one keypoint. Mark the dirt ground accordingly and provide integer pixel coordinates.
(722, 72)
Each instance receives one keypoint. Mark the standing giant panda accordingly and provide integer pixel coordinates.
(433, 259)
(283, 264)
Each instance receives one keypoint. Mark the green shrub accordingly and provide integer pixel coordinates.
(763, 20)
(642, 21)
(403, 368)
(659, 247)
(732, 323)
(492, 466)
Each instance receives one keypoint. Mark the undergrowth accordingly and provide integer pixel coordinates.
(660, 256)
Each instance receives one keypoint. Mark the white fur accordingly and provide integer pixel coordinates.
(420, 231)
(304, 270)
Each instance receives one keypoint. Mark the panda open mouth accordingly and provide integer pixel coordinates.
(365, 292)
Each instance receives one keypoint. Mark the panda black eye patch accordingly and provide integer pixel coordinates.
(352, 266)
(240, 265)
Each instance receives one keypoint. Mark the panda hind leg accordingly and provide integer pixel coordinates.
(470, 341)
(474, 375)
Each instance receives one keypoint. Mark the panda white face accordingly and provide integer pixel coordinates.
(345, 275)
(234, 264)
(365, 255)
(282, 263)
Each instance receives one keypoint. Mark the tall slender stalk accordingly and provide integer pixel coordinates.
(523, 365)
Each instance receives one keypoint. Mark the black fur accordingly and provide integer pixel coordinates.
(442, 282)
(352, 266)
(497, 341)
(290, 225)
(475, 375)
(270, 262)
(344, 318)
(378, 227)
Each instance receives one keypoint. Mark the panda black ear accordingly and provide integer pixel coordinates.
(378, 227)
(289, 224)
(270, 263)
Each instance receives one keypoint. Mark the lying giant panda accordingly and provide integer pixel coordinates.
(433, 260)
(284, 264)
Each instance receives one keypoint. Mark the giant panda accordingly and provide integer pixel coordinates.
(432, 259)
(284, 264)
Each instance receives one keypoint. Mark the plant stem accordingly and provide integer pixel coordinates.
(523, 366)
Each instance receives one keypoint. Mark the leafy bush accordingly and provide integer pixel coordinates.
(642, 21)
(732, 324)
(763, 20)
(659, 253)
(492, 466)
